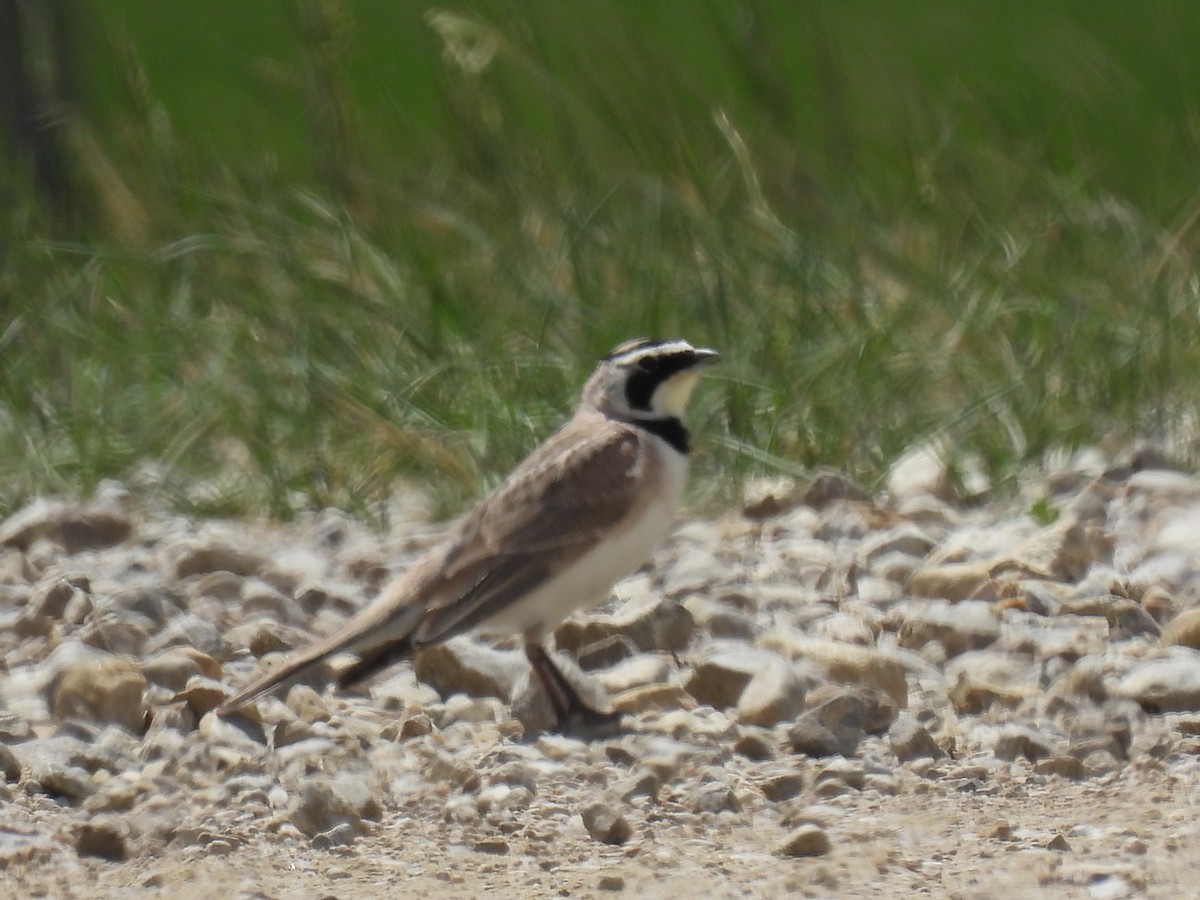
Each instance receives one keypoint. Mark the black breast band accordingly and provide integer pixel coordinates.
(670, 430)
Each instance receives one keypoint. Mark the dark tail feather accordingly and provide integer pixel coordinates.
(289, 670)
(378, 659)
(378, 635)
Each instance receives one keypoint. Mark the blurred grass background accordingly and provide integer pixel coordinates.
(263, 257)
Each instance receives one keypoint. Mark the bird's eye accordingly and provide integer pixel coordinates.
(648, 363)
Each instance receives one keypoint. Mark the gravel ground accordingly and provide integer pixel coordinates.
(826, 693)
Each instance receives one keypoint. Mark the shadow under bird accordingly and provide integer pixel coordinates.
(581, 512)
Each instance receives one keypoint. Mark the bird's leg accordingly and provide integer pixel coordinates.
(563, 696)
(572, 712)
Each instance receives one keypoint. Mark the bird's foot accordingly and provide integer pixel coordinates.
(574, 716)
(589, 724)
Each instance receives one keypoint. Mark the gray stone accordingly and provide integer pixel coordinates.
(342, 834)
(10, 766)
(63, 657)
(713, 797)
(114, 749)
(640, 784)
(200, 557)
(774, 694)
(1064, 550)
(52, 766)
(652, 697)
(891, 568)
(910, 740)
(805, 840)
(14, 730)
(1183, 630)
(1167, 684)
(498, 798)
(1099, 762)
(1022, 742)
(905, 539)
(982, 678)
(952, 582)
(48, 602)
(765, 498)
(173, 667)
(242, 731)
(189, 630)
(220, 585)
(836, 726)
(474, 710)
(1043, 598)
(832, 487)
(922, 470)
(315, 596)
(105, 690)
(104, 837)
(116, 795)
(882, 783)
(1082, 681)
(606, 652)
(156, 604)
(20, 847)
(1063, 766)
(719, 678)
(813, 737)
(665, 757)
(1124, 617)
(263, 636)
(647, 620)
(844, 522)
(496, 845)
(166, 737)
(781, 783)
(845, 627)
(845, 663)
(515, 773)
(605, 823)
(71, 783)
(936, 516)
(323, 802)
(261, 600)
(849, 772)
(453, 771)
(117, 632)
(461, 665)
(755, 745)
(878, 709)
(957, 627)
(202, 695)
(638, 671)
(719, 621)
(72, 526)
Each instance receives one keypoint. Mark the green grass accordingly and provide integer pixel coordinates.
(330, 247)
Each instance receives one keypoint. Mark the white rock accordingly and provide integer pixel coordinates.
(1169, 683)
(921, 470)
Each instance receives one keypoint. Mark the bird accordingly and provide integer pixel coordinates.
(582, 511)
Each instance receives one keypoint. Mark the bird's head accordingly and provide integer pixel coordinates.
(647, 378)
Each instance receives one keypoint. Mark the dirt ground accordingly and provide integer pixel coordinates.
(1006, 834)
(943, 702)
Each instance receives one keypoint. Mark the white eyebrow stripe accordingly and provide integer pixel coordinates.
(667, 348)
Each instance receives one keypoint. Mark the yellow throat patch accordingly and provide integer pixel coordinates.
(672, 395)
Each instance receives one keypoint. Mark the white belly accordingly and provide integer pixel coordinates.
(589, 579)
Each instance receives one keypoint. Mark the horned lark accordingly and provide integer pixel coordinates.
(582, 511)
